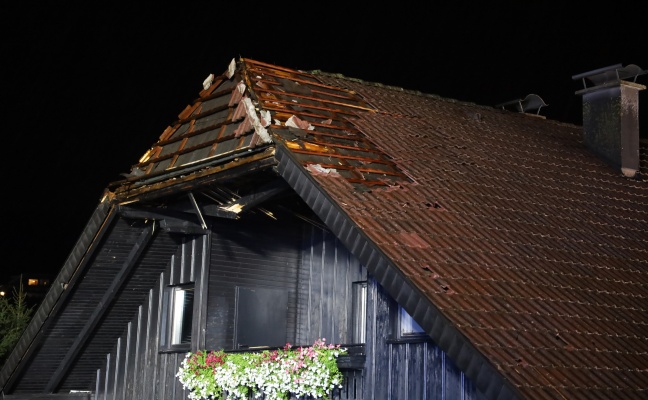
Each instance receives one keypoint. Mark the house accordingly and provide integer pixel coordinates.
(459, 251)
(33, 285)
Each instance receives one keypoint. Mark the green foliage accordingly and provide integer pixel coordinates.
(14, 317)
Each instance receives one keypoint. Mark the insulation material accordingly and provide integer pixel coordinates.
(318, 169)
(295, 122)
(208, 81)
(237, 94)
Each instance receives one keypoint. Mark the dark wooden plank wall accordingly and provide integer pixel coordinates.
(305, 259)
(326, 277)
(403, 370)
(135, 369)
(254, 254)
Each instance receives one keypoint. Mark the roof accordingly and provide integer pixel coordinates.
(521, 253)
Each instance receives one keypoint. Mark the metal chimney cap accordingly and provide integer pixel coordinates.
(613, 73)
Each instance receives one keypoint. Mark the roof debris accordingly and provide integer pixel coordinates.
(295, 122)
(208, 81)
(318, 169)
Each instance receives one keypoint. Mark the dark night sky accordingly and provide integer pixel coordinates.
(87, 88)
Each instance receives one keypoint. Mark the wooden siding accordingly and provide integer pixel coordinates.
(304, 259)
(316, 268)
(406, 370)
(326, 277)
(88, 322)
(308, 262)
(249, 255)
(135, 368)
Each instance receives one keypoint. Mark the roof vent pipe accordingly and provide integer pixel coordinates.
(611, 114)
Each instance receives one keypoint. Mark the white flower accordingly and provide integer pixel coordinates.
(300, 372)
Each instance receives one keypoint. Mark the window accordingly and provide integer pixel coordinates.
(261, 317)
(177, 318)
(32, 282)
(359, 317)
(407, 326)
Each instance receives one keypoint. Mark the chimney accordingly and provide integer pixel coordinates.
(611, 115)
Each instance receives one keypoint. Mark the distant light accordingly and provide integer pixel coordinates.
(2, 293)
(32, 282)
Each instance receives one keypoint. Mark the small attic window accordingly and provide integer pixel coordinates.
(408, 327)
(177, 318)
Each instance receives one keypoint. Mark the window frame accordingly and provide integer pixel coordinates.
(401, 319)
(174, 318)
(407, 326)
(359, 312)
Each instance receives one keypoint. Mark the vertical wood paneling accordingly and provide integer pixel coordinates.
(434, 372)
(319, 272)
(325, 282)
(160, 386)
(453, 380)
(97, 388)
(151, 324)
(406, 370)
(261, 255)
(119, 371)
(174, 272)
(397, 387)
(202, 256)
(135, 369)
(139, 371)
(110, 377)
(315, 290)
(153, 338)
(380, 373)
(414, 376)
(129, 357)
(327, 289)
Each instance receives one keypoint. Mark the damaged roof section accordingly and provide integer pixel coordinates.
(220, 130)
(237, 118)
(223, 120)
(315, 121)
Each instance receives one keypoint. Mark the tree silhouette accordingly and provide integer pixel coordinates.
(15, 314)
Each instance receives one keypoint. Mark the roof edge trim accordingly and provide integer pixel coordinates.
(59, 290)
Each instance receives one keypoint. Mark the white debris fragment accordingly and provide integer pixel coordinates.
(256, 123)
(237, 94)
(231, 69)
(208, 81)
(266, 118)
(317, 168)
(295, 122)
(241, 87)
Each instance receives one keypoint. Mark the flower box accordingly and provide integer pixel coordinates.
(301, 372)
